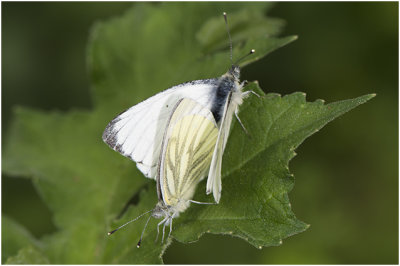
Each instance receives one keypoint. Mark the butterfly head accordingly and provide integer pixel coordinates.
(160, 211)
(235, 72)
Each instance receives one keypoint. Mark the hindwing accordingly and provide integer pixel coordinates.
(187, 149)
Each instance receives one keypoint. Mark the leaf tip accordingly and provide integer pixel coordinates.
(366, 98)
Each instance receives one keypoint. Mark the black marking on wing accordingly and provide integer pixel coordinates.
(214, 82)
(109, 134)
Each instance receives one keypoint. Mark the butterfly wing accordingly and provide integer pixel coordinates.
(214, 175)
(186, 152)
(137, 133)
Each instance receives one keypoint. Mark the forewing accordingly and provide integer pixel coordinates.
(137, 133)
(187, 150)
(214, 175)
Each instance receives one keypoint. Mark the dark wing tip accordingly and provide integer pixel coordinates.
(109, 135)
(110, 138)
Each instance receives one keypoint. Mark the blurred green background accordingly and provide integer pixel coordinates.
(347, 174)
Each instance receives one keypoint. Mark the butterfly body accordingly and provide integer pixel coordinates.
(227, 83)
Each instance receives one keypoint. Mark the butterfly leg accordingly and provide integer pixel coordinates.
(199, 202)
(163, 233)
(246, 94)
(158, 228)
(240, 122)
(170, 228)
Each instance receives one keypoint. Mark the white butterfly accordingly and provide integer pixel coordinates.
(138, 132)
(186, 149)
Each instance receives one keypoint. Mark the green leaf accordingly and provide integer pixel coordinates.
(14, 237)
(91, 189)
(256, 179)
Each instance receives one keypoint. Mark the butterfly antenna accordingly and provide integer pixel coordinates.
(229, 35)
(252, 51)
(115, 230)
(141, 236)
